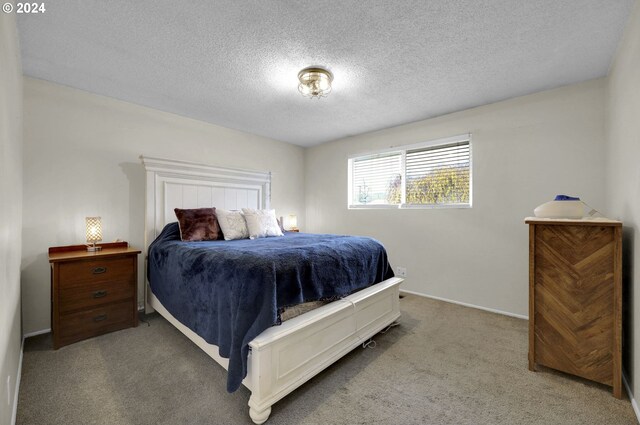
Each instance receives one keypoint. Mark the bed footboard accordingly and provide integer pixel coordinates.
(284, 357)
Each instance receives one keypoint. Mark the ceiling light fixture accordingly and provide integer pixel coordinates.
(315, 82)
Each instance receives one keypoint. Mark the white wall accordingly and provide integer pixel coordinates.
(10, 211)
(623, 179)
(81, 158)
(525, 151)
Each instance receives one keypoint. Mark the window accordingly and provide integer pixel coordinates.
(374, 177)
(427, 175)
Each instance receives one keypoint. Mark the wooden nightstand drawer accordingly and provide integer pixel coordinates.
(94, 294)
(98, 270)
(86, 323)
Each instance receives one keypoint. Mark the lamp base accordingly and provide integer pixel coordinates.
(93, 248)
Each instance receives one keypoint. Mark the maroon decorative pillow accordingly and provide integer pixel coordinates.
(200, 224)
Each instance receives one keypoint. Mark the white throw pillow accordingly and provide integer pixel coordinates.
(232, 224)
(261, 223)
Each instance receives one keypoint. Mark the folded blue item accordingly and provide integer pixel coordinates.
(566, 198)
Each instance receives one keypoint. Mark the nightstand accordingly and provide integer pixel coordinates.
(294, 230)
(92, 293)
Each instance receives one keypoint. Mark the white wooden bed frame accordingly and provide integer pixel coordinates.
(282, 357)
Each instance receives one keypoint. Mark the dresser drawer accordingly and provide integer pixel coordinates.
(98, 270)
(96, 321)
(94, 294)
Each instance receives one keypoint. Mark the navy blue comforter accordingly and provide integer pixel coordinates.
(228, 292)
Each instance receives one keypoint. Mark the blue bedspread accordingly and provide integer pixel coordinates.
(228, 292)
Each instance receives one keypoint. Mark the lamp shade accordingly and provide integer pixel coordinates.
(293, 221)
(94, 229)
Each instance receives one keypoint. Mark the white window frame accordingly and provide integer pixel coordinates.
(403, 151)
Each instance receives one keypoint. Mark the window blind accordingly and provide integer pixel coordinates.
(438, 175)
(376, 179)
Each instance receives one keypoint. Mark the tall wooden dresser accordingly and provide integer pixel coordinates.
(92, 293)
(575, 298)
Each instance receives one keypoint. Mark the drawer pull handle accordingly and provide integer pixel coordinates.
(99, 270)
(99, 294)
(100, 318)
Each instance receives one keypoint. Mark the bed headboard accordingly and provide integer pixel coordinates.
(178, 184)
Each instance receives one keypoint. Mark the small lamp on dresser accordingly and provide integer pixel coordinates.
(94, 233)
(293, 223)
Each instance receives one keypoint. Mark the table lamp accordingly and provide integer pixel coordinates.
(293, 222)
(94, 233)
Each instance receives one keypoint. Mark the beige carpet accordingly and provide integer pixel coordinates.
(445, 364)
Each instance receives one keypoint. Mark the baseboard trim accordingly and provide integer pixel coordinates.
(16, 393)
(40, 332)
(491, 310)
(630, 394)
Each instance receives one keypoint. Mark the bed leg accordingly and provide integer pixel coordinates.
(259, 416)
(147, 304)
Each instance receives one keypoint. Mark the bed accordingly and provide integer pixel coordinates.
(280, 358)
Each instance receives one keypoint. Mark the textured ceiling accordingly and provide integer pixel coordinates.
(235, 63)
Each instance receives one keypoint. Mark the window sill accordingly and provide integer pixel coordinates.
(409, 207)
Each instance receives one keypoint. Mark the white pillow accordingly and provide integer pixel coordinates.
(261, 223)
(232, 224)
